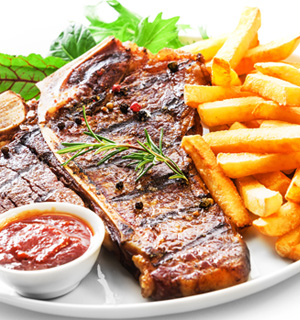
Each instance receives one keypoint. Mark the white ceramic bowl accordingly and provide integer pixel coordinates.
(56, 281)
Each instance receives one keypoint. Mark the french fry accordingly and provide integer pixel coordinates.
(221, 187)
(219, 128)
(274, 124)
(260, 140)
(237, 125)
(281, 91)
(236, 45)
(292, 63)
(288, 245)
(273, 111)
(196, 94)
(284, 220)
(257, 198)
(237, 165)
(280, 70)
(229, 110)
(222, 74)
(272, 51)
(239, 41)
(293, 192)
(209, 47)
(251, 124)
(276, 181)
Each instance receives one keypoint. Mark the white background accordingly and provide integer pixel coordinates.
(30, 26)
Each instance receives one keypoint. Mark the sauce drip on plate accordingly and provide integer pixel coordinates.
(43, 241)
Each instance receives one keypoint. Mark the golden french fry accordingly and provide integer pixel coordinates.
(272, 51)
(259, 140)
(254, 42)
(275, 123)
(273, 111)
(228, 111)
(293, 192)
(292, 63)
(237, 165)
(281, 91)
(221, 187)
(280, 70)
(276, 181)
(222, 74)
(257, 198)
(295, 252)
(209, 47)
(237, 125)
(288, 245)
(219, 128)
(251, 124)
(239, 41)
(284, 220)
(196, 94)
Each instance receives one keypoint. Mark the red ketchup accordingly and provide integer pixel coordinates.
(43, 241)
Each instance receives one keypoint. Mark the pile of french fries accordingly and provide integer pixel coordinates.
(250, 158)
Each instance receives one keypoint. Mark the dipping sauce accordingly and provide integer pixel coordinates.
(43, 241)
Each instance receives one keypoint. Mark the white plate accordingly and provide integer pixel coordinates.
(113, 293)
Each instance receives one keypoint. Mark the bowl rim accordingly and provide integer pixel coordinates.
(85, 214)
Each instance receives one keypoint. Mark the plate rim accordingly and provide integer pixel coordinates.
(154, 308)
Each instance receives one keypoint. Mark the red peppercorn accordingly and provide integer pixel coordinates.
(100, 72)
(135, 107)
(116, 88)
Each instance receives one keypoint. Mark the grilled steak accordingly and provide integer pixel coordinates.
(29, 172)
(166, 234)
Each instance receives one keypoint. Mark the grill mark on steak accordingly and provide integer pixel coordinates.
(175, 247)
(201, 239)
(31, 181)
(31, 173)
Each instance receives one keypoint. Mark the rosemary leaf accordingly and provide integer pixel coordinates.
(146, 155)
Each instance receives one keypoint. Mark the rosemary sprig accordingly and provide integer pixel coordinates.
(145, 157)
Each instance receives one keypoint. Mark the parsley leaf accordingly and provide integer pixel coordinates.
(158, 34)
(72, 42)
(124, 27)
(20, 73)
(128, 26)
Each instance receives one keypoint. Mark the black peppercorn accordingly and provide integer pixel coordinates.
(61, 125)
(173, 66)
(5, 152)
(139, 205)
(78, 120)
(120, 185)
(124, 107)
(123, 91)
(206, 202)
(200, 58)
(143, 115)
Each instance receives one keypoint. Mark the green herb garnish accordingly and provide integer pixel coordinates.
(147, 154)
(158, 34)
(74, 41)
